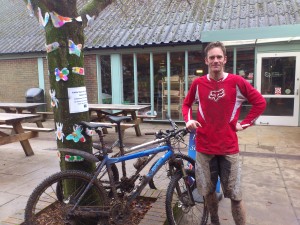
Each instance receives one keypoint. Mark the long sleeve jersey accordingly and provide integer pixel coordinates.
(219, 105)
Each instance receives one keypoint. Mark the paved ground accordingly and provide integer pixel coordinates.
(271, 173)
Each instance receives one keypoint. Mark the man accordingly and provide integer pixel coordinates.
(220, 96)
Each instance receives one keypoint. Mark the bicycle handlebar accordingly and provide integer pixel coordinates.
(169, 133)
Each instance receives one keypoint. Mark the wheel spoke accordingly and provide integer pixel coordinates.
(53, 200)
(179, 209)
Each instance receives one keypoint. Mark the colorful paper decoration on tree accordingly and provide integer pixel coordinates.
(51, 47)
(89, 132)
(43, 22)
(30, 8)
(59, 133)
(78, 70)
(90, 20)
(61, 74)
(54, 100)
(78, 19)
(76, 136)
(74, 49)
(58, 20)
(73, 158)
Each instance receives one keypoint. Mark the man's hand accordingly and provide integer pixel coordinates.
(192, 125)
(238, 127)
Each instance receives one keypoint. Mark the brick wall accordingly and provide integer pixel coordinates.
(90, 67)
(18, 75)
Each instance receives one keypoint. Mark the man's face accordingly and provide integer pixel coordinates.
(215, 60)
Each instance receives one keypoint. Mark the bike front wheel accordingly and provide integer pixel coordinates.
(170, 169)
(52, 202)
(178, 206)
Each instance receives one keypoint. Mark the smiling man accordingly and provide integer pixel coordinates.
(220, 96)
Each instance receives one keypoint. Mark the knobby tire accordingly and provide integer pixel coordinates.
(47, 198)
(177, 209)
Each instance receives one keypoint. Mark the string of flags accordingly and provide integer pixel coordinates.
(57, 20)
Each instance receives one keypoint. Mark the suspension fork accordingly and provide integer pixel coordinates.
(187, 185)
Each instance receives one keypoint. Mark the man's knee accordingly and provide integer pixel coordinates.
(236, 202)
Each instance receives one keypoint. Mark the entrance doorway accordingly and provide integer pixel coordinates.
(278, 82)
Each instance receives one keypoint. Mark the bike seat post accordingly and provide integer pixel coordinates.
(100, 135)
(121, 146)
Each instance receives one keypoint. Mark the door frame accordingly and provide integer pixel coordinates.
(280, 120)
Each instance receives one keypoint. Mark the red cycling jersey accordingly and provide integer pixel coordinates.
(219, 105)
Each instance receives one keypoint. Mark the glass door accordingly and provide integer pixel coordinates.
(278, 82)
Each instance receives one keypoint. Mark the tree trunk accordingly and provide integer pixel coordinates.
(61, 58)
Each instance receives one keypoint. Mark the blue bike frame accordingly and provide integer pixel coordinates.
(165, 148)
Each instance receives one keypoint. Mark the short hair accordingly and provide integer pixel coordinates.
(216, 44)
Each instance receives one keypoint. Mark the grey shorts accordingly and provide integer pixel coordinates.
(228, 168)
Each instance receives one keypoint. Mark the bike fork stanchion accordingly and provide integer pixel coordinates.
(192, 154)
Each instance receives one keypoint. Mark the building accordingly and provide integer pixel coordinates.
(148, 52)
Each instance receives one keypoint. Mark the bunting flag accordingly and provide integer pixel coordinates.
(74, 49)
(43, 21)
(78, 19)
(90, 20)
(59, 21)
(30, 8)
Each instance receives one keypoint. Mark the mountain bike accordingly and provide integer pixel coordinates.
(141, 163)
(77, 197)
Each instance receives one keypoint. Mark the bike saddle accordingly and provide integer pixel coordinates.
(119, 119)
(94, 126)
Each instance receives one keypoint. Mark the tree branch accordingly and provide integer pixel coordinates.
(93, 8)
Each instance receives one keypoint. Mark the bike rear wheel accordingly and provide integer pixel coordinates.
(178, 210)
(52, 200)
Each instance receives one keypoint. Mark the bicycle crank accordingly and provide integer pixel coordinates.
(118, 214)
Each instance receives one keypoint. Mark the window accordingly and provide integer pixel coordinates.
(128, 78)
(106, 78)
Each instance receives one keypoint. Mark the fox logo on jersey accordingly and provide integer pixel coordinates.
(216, 95)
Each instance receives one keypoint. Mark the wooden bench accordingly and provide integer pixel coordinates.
(144, 116)
(123, 126)
(45, 115)
(34, 129)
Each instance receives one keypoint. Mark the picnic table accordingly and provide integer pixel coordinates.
(22, 108)
(102, 110)
(14, 121)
